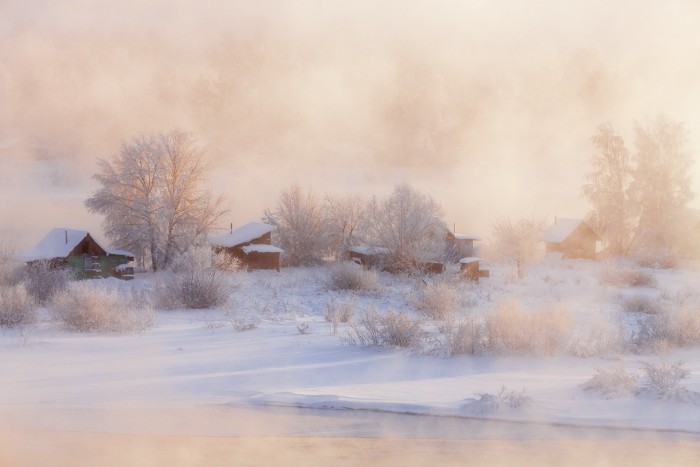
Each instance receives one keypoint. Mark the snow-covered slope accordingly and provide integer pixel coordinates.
(289, 356)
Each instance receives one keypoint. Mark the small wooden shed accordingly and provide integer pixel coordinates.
(469, 269)
(251, 244)
(459, 246)
(80, 252)
(573, 238)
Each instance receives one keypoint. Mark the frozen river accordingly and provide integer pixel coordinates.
(255, 435)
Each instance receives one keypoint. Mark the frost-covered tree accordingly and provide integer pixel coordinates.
(409, 224)
(152, 197)
(660, 189)
(639, 201)
(346, 217)
(606, 190)
(517, 241)
(302, 227)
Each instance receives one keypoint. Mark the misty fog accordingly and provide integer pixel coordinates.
(488, 107)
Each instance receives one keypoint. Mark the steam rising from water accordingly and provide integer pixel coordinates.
(488, 108)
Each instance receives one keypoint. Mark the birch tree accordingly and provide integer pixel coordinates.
(660, 190)
(152, 197)
(606, 190)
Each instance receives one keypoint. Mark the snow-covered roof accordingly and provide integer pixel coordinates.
(119, 252)
(369, 250)
(58, 243)
(261, 249)
(467, 237)
(468, 260)
(242, 234)
(561, 230)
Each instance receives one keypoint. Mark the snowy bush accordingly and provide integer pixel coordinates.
(347, 275)
(627, 277)
(17, 307)
(612, 382)
(669, 328)
(663, 381)
(194, 281)
(86, 307)
(241, 323)
(225, 262)
(596, 338)
(367, 329)
(490, 403)
(43, 281)
(438, 301)
(511, 329)
(656, 257)
(11, 268)
(337, 313)
(392, 329)
(400, 330)
(465, 338)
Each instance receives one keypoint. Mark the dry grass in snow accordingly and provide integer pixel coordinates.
(17, 307)
(512, 329)
(83, 307)
(349, 276)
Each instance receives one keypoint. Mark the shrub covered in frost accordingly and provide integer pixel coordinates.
(678, 327)
(337, 313)
(43, 281)
(438, 301)
(596, 338)
(88, 307)
(663, 381)
(511, 329)
(392, 329)
(466, 337)
(195, 281)
(17, 307)
(11, 267)
(627, 277)
(488, 403)
(612, 382)
(347, 275)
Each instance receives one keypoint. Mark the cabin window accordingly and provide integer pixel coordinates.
(92, 263)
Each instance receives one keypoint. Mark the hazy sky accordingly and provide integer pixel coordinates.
(486, 105)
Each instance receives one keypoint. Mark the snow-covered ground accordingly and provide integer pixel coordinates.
(290, 356)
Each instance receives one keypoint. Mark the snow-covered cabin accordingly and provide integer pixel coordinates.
(251, 244)
(458, 246)
(573, 238)
(79, 251)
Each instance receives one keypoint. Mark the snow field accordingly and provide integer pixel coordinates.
(271, 344)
